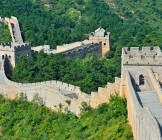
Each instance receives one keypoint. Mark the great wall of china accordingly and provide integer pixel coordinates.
(140, 83)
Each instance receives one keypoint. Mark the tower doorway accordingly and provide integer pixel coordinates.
(141, 80)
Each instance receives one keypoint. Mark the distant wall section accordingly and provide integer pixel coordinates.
(82, 51)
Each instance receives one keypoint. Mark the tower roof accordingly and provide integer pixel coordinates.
(100, 29)
(100, 32)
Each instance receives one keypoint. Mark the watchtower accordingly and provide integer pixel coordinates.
(138, 62)
(12, 51)
(100, 35)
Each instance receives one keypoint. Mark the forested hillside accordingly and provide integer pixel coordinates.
(20, 120)
(57, 22)
(148, 12)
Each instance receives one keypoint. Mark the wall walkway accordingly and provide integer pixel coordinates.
(14, 28)
(82, 51)
(144, 125)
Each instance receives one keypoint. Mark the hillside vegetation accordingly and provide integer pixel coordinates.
(4, 34)
(57, 22)
(89, 73)
(148, 12)
(22, 120)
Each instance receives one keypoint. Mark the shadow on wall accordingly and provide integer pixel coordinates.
(8, 67)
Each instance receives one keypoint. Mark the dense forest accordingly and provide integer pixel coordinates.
(147, 12)
(4, 34)
(57, 22)
(22, 120)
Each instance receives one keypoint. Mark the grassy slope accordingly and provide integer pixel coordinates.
(23, 120)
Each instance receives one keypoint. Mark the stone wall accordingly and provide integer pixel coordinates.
(156, 84)
(55, 92)
(52, 93)
(82, 51)
(139, 61)
(39, 48)
(100, 35)
(13, 51)
(103, 95)
(144, 125)
(142, 56)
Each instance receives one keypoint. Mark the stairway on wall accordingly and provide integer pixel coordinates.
(17, 34)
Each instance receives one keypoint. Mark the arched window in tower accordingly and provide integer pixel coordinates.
(142, 56)
(3, 57)
(104, 44)
(141, 80)
(9, 57)
(130, 56)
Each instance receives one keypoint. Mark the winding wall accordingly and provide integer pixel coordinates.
(55, 92)
(52, 92)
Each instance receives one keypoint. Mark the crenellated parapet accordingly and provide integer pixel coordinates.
(103, 94)
(138, 61)
(14, 46)
(99, 35)
(142, 56)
